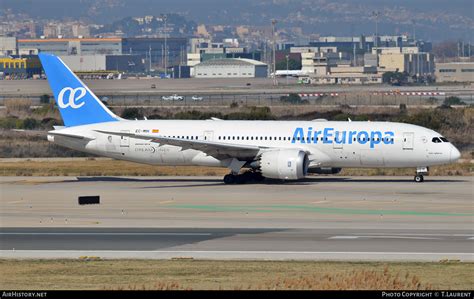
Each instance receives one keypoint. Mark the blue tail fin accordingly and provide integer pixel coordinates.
(77, 104)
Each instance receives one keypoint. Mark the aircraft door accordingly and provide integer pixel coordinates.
(124, 142)
(408, 140)
(208, 135)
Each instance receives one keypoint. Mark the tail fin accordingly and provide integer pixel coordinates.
(77, 104)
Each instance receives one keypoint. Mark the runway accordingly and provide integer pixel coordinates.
(321, 218)
(299, 244)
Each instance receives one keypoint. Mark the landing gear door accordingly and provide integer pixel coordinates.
(408, 140)
(208, 135)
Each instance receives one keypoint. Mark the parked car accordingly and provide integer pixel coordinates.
(153, 86)
(174, 97)
(196, 98)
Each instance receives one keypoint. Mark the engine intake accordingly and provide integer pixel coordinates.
(285, 164)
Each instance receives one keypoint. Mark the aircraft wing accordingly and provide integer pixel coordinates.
(218, 150)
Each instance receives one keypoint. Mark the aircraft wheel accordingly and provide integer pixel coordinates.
(419, 178)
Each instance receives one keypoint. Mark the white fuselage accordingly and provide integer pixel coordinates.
(406, 145)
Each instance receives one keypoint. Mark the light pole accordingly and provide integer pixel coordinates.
(376, 15)
(166, 49)
(274, 42)
(149, 61)
(287, 59)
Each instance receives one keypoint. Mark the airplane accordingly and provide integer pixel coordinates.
(252, 150)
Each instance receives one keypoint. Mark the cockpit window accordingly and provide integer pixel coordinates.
(443, 139)
(436, 140)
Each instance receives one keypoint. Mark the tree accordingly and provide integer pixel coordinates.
(453, 101)
(44, 99)
(293, 98)
(394, 78)
(292, 65)
(132, 113)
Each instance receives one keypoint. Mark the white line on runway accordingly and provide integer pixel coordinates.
(108, 234)
(382, 237)
(408, 234)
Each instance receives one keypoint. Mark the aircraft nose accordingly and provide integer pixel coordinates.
(455, 154)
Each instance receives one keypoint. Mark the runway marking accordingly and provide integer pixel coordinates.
(17, 201)
(104, 234)
(311, 208)
(165, 202)
(384, 237)
(411, 234)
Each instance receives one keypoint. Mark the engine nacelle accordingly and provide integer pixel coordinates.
(285, 164)
(325, 170)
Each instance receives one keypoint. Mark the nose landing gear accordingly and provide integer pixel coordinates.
(420, 171)
(419, 178)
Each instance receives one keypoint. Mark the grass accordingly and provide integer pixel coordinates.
(193, 274)
(100, 167)
(92, 167)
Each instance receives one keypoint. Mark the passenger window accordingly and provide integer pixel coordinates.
(436, 140)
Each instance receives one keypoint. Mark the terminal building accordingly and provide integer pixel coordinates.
(231, 68)
(455, 72)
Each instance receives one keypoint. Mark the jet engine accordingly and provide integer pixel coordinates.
(285, 164)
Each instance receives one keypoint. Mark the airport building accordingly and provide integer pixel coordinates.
(231, 68)
(8, 46)
(105, 63)
(71, 46)
(154, 48)
(455, 72)
(405, 60)
(19, 68)
(366, 43)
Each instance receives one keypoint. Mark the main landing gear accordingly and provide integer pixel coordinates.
(420, 171)
(246, 177)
